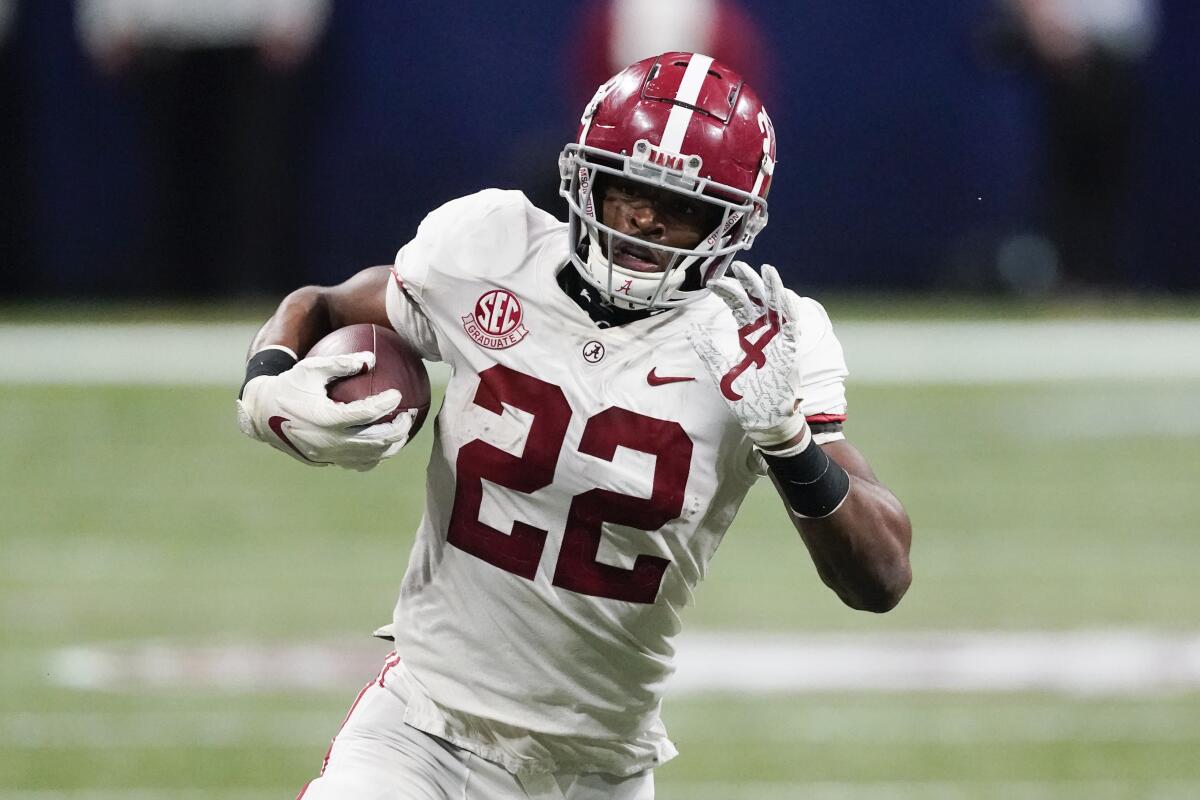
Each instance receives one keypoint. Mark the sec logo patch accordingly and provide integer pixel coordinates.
(495, 322)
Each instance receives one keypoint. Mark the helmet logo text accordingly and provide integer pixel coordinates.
(667, 160)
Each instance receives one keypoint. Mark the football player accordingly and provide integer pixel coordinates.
(617, 385)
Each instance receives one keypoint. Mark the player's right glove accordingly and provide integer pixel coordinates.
(292, 412)
(761, 382)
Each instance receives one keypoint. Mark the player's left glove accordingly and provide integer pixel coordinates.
(761, 381)
(293, 413)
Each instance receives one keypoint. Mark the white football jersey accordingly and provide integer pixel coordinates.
(581, 479)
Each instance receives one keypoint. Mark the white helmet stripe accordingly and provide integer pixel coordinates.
(681, 115)
(758, 182)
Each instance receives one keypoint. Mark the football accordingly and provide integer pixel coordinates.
(397, 366)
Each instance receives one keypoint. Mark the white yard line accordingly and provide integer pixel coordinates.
(139, 794)
(1068, 662)
(936, 790)
(1165, 789)
(815, 722)
(884, 352)
(149, 730)
(1092, 662)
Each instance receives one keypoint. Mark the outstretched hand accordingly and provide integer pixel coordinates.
(761, 380)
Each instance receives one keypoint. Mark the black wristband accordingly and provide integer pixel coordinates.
(271, 361)
(813, 483)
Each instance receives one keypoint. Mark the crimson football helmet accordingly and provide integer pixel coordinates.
(680, 122)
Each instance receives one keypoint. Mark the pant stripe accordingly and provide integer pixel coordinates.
(391, 661)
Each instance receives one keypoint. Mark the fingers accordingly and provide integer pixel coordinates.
(750, 280)
(393, 448)
(366, 411)
(370, 408)
(340, 366)
(245, 420)
(378, 442)
(734, 295)
(782, 302)
(388, 433)
(351, 451)
(772, 287)
(774, 295)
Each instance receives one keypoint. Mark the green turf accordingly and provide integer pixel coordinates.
(142, 513)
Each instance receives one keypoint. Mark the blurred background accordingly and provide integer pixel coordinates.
(185, 148)
(995, 199)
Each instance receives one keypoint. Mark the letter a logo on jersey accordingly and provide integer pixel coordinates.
(755, 351)
(495, 322)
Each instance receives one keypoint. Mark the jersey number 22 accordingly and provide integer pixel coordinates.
(520, 551)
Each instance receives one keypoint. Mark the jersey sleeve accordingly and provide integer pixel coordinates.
(409, 320)
(823, 376)
(482, 235)
(823, 373)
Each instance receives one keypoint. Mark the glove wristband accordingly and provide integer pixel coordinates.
(814, 484)
(781, 433)
(269, 361)
(796, 449)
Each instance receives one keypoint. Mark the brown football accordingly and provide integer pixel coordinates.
(397, 366)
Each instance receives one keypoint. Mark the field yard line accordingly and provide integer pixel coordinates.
(1086, 662)
(935, 790)
(952, 352)
(1166, 789)
(139, 794)
(120, 730)
(815, 722)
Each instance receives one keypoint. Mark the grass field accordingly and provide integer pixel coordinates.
(139, 513)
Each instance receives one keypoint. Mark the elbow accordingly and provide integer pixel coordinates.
(887, 593)
(881, 591)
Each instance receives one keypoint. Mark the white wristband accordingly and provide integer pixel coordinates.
(282, 347)
(798, 447)
(789, 428)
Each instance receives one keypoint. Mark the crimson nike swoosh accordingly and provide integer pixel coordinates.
(276, 425)
(657, 380)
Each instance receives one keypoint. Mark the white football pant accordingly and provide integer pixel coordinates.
(375, 756)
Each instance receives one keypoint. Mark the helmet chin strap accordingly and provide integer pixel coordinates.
(625, 284)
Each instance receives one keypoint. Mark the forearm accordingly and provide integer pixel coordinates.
(861, 550)
(856, 531)
(301, 319)
(308, 313)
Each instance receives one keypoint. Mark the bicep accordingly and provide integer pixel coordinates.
(366, 297)
(360, 299)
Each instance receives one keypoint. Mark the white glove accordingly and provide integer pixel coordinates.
(761, 381)
(292, 412)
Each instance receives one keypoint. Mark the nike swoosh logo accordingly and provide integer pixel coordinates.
(276, 425)
(657, 380)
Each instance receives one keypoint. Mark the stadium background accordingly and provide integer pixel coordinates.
(184, 613)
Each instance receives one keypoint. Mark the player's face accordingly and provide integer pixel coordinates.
(655, 215)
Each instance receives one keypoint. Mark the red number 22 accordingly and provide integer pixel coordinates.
(520, 550)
